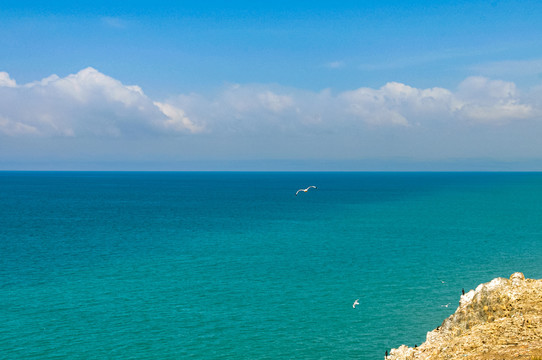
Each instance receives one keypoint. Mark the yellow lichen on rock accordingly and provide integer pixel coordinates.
(501, 319)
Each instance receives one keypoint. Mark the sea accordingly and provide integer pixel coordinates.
(234, 265)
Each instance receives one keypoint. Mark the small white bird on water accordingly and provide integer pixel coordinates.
(305, 190)
(355, 303)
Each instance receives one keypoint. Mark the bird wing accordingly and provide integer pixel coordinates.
(305, 190)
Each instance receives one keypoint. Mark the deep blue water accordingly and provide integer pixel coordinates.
(98, 265)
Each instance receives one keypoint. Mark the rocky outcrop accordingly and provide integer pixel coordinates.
(501, 319)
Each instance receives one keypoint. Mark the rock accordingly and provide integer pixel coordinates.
(501, 319)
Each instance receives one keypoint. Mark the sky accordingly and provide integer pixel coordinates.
(271, 85)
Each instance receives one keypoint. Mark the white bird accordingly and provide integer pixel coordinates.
(355, 303)
(305, 190)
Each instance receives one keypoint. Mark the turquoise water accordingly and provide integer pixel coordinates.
(235, 266)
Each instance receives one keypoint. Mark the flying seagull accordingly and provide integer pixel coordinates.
(355, 303)
(305, 190)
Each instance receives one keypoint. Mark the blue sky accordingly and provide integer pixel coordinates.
(355, 85)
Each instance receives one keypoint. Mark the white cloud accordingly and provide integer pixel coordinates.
(92, 116)
(486, 100)
(370, 106)
(398, 104)
(87, 103)
(241, 108)
(92, 104)
(254, 108)
(477, 99)
(274, 102)
(176, 119)
(5, 80)
(250, 99)
(14, 128)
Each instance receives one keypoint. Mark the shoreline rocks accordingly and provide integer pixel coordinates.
(501, 319)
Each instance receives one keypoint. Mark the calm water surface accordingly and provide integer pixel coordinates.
(235, 266)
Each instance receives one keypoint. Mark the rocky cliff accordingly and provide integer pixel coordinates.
(501, 319)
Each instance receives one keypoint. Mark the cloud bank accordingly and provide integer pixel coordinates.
(478, 118)
(88, 103)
